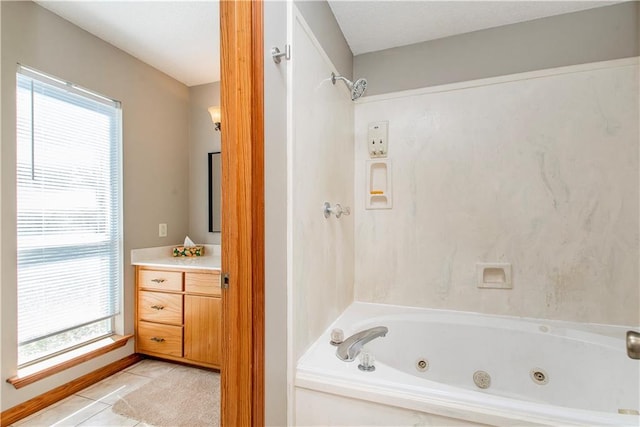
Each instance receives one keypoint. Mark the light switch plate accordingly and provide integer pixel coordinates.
(378, 139)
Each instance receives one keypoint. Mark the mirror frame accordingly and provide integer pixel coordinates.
(212, 193)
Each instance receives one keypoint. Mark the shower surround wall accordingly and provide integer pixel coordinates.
(539, 170)
(322, 170)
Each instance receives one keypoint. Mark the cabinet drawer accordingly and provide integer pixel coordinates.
(156, 338)
(202, 283)
(160, 307)
(162, 280)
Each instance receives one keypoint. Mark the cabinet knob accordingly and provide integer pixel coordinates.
(158, 280)
(158, 307)
(156, 339)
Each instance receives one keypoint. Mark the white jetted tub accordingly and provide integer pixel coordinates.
(536, 372)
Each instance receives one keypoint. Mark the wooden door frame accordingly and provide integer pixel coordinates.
(242, 99)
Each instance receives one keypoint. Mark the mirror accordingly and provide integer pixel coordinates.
(215, 192)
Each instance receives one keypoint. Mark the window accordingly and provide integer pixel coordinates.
(69, 220)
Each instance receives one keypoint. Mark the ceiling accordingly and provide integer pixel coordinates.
(182, 38)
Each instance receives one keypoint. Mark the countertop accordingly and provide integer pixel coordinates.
(162, 257)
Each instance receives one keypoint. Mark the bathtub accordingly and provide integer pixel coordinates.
(538, 372)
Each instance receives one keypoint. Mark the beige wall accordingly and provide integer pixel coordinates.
(323, 24)
(203, 139)
(155, 151)
(598, 34)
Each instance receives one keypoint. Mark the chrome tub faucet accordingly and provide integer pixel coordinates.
(351, 347)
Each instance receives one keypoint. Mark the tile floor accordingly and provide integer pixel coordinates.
(91, 407)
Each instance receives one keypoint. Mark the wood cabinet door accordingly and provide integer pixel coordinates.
(202, 321)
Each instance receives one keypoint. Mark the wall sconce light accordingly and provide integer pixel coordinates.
(215, 116)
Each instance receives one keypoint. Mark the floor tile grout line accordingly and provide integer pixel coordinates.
(79, 410)
(102, 410)
(140, 375)
(43, 410)
(90, 398)
(109, 407)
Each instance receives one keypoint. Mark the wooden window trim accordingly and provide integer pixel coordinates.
(242, 99)
(22, 381)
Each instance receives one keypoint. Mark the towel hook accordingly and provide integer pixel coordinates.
(277, 55)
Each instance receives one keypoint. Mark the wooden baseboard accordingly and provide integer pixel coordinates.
(179, 360)
(117, 341)
(34, 405)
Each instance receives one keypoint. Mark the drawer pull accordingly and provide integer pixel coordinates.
(158, 280)
(156, 339)
(158, 307)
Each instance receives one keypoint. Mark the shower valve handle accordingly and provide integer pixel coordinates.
(337, 210)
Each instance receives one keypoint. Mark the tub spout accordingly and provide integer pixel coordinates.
(351, 347)
(633, 344)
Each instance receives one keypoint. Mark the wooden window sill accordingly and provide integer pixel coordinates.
(45, 369)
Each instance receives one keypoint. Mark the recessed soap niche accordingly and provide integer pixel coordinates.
(495, 275)
(378, 192)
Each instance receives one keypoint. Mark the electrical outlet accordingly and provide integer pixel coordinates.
(162, 230)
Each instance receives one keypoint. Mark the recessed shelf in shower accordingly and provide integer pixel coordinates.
(378, 191)
(496, 275)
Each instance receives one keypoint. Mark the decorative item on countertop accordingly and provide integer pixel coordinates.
(188, 249)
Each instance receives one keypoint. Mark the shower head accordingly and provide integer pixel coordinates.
(357, 89)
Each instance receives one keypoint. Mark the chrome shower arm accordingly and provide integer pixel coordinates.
(335, 78)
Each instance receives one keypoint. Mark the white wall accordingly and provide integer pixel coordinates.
(539, 170)
(155, 153)
(277, 362)
(203, 139)
(322, 170)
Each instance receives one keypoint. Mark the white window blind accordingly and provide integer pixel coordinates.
(69, 219)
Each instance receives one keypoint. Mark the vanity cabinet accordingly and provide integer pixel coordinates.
(179, 315)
